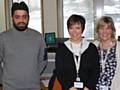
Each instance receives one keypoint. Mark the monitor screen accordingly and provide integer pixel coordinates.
(50, 38)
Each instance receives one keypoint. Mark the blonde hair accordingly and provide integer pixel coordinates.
(106, 20)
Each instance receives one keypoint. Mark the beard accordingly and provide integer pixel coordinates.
(20, 26)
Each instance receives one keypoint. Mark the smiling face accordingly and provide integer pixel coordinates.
(105, 33)
(106, 29)
(75, 32)
(20, 20)
(76, 26)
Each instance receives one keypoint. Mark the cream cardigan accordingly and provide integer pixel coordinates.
(116, 80)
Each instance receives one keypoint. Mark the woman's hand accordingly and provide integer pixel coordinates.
(85, 88)
(73, 88)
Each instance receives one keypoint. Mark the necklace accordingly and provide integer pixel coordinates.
(104, 58)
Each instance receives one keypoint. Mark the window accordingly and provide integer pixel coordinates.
(112, 8)
(35, 13)
(91, 10)
(82, 7)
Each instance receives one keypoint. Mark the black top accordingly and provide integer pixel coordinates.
(66, 71)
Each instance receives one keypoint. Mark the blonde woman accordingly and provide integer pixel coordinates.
(109, 52)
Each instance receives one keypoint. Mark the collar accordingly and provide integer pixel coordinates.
(85, 45)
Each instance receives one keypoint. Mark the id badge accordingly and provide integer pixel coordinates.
(78, 84)
(103, 87)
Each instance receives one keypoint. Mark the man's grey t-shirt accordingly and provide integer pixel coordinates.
(23, 55)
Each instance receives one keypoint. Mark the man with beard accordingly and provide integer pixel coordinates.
(22, 53)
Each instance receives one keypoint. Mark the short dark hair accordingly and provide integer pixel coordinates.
(19, 6)
(79, 19)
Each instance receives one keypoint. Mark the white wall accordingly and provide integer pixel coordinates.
(2, 16)
(50, 16)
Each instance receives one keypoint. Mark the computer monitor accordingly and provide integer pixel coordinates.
(50, 38)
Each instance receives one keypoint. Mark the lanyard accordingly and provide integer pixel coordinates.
(77, 62)
(77, 65)
(103, 60)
